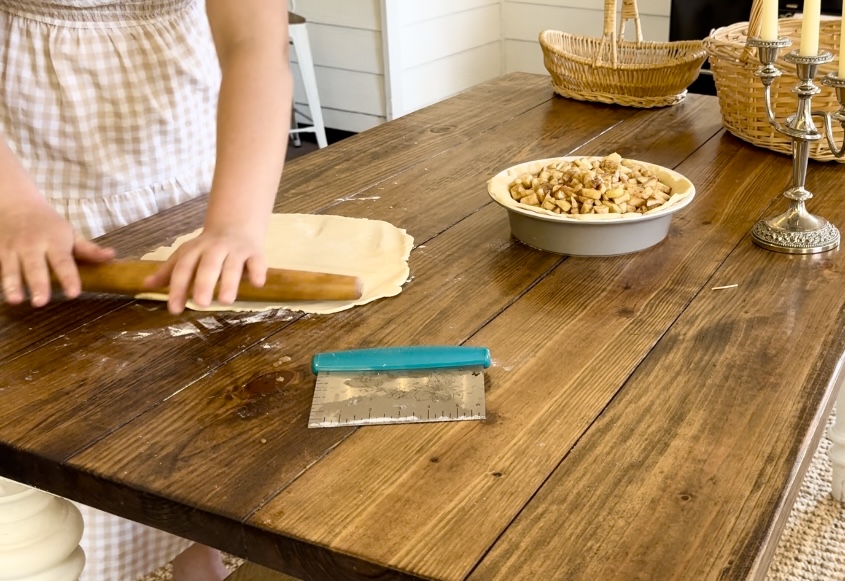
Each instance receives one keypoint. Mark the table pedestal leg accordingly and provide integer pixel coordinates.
(39, 535)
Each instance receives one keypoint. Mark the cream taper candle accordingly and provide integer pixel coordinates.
(841, 73)
(769, 20)
(810, 28)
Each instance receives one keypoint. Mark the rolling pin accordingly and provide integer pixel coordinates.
(126, 277)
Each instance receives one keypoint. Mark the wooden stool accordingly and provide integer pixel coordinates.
(252, 572)
(299, 39)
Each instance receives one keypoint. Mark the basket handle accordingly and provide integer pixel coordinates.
(630, 12)
(754, 24)
(754, 27)
(609, 34)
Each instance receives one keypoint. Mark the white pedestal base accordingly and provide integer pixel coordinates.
(39, 535)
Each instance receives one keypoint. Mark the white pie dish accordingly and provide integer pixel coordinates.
(589, 234)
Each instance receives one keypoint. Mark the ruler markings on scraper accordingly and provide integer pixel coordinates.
(379, 397)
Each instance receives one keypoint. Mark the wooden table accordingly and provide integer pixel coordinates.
(640, 425)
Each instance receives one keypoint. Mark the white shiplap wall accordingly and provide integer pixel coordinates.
(437, 48)
(346, 45)
(523, 20)
(380, 59)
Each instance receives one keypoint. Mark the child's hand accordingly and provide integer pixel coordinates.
(34, 240)
(199, 264)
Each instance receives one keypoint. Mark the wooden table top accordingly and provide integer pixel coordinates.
(640, 425)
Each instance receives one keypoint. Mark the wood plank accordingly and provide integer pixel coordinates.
(356, 162)
(110, 478)
(259, 404)
(658, 487)
(252, 572)
(387, 205)
(401, 203)
(371, 326)
(105, 361)
(569, 126)
(363, 160)
(401, 505)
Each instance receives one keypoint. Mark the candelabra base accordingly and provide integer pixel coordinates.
(794, 232)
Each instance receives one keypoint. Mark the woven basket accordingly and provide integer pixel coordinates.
(741, 93)
(636, 74)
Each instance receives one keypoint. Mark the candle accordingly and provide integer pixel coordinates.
(769, 20)
(810, 28)
(842, 45)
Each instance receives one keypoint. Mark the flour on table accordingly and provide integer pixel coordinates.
(373, 250)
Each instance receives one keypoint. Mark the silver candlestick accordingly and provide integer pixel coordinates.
(796, 231)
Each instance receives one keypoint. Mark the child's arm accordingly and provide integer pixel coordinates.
(34, 239)
(254, 113)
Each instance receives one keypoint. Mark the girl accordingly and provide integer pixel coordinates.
(112, 110)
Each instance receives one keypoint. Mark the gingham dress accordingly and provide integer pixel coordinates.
(110, 105)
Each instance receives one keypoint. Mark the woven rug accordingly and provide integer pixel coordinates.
(812, 547)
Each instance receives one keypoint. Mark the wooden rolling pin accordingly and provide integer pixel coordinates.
(126, 277)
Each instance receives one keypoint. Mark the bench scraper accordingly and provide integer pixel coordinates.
(395, 385)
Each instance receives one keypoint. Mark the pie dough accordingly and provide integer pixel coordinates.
(373, 250)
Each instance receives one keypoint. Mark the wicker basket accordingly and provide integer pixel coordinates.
(741, 93)
(636, 74)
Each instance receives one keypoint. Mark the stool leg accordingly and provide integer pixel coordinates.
(39, 535)
(837, 448)
(299, 37)
(294, 134)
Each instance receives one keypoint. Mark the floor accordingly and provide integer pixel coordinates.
(308, 145)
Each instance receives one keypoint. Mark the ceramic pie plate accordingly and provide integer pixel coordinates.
(589, 234)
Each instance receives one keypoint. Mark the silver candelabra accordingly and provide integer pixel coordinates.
(796, 231)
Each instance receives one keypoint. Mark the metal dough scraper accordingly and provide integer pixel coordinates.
(397, 385)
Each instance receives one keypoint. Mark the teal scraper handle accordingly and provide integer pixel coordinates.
(392, 358)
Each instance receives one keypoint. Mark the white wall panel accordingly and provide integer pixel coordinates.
(347, 120)
(364, 14)
(345, 90)
(438, 38)
(524, 56)
(524, 21)
(652, 7)
(419, 10)
(437, 80)
(351, 49)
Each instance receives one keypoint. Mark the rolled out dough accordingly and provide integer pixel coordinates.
(375, 251)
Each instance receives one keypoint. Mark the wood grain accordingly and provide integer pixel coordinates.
(252, 572)
(372, 327)
(431, 209)
(356, 164)
(703, 438)
(265, 393)
(539, 407)
(640, 425)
